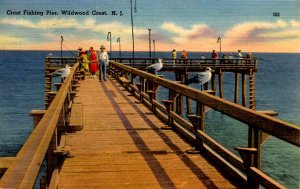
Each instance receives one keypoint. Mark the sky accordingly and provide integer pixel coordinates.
(192, 25)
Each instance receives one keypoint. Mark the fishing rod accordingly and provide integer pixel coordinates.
(62, 44)
(70, 51)
(261, 59)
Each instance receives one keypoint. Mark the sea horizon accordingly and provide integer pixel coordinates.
(137, 51)
(22, 89)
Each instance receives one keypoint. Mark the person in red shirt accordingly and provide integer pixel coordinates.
(214, 55)
(184, 56)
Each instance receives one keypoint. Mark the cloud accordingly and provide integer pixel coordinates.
(283, 35)
(85, 25)
(7, 39)
(295, 23)
(57, 23)
(249, 36)
(116, 27)
(42, 24)
(196, 31)
(18, 22)
(264, 36)
(252, 30)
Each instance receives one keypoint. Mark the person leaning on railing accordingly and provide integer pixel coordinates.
(184, 56)
(214, 55)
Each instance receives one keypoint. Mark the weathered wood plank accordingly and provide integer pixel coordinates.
(121, 146)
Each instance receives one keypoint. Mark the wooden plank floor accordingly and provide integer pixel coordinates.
(121, 146)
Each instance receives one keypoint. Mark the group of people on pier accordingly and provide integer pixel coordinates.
(91, 61)
(214, 55)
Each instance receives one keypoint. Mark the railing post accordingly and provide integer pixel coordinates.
(248, 156)
(132, 82)
(169, 104)
(169, 107)
(141, 88)
(198, 124)
(152, 88)
(179, 104)
(254, 141)
(37, 116)
(50, 96)
(51, 158)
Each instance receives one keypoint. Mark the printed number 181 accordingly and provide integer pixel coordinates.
(276, 14)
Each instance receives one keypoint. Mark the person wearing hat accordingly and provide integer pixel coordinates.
(103, 63)
(79, 51)
(93, 62)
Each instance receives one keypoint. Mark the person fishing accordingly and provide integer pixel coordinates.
(84, 61)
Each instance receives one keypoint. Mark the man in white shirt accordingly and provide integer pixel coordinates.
(103, 63)
(240, 54)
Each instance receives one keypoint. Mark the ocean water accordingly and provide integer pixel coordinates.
(277, 88)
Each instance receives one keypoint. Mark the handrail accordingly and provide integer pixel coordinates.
(285, 131)
(258, 121)
(187, 61)
(229, 65)
(31, 155)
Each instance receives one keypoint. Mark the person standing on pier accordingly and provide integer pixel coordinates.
(174, 55)
(80, 51)
(214, 55)
(103, 63)
(93, 62)
(84, 61)
(184, 56)
(224, 57)
(240, 55)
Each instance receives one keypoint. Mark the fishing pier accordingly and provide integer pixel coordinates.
(117, 134)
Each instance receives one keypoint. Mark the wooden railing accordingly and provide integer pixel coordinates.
(22, 170)
(192, 64)
(63, 60)
(260, 125)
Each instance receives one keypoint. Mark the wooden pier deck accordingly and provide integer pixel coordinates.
(122, 146)
(119, 142)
